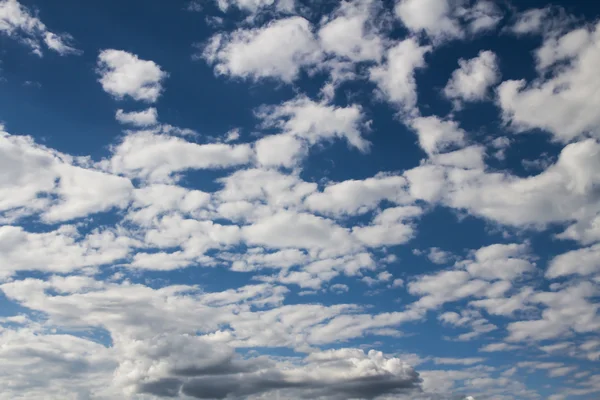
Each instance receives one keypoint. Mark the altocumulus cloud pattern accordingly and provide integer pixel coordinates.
(299, 199)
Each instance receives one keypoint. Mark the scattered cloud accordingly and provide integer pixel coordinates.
(124, 74)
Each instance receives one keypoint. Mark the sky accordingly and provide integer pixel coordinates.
(300, 199)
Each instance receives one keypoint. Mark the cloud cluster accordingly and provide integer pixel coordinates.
(182, 265)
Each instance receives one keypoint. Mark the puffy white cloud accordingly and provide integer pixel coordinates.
(585, 262)
(564, 104)
(467, 319)
(280, 150)
(439, 256)
(432, 16)
(355, 197)
(17, 22)
(125, 74)
(147, 117)
(565, 311)
(393, 226)
(278, 50)
(37, 179)
(534, 201)
(437, 135)
(445, 286)
(83, 191)
(316, 122)
(500, 261)
(349, 33)
(505, 306)
(473, 79)
(158, 157)
(299, 230)
(61, 251)
(395, 79)
(443, 20)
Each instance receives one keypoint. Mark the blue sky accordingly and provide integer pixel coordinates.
(287, 199)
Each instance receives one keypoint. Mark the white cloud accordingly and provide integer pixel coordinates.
(548, 21)
(393, 226)
(173, 348)
(471, 157)
(395, 79)
(278, 50)
(443, 20)
(41, 180)
(17, 22)
(348, 34)
(38, 365)
(584, 262)
(439, 256)
(61, 251)
(446, 286)
(437, 135)
(473, 79)
(536, 200)
(496, 347)
(300, 230)
(565, 311)
(564, 104)
(255, 6)
(458, 361)
(158, 158)
(505, 306)
(316, 122)
(432, 16)
(354, 197)
(280, 150)
(124, 74)
(143, 118)
(500, 261)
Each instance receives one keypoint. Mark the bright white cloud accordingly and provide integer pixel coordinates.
(159, 157)
(443, 20)
(585, 262)
(473, 79)
(564, 104)
(278, 50)
(17, 22)
(395, 79)
(125, 74)
(316, 122)
(348, 35)
(143, 118)
(358, 196)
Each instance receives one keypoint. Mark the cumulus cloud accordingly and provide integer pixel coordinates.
(395, 79)
(147, 117)
(473, 79)
(125, 74)
(564, 104)
(209, 264)
(277, 50)
(304, 122)
(16, 21)
(45, 181)
(536, 200)
(157, 157)
(443, 20)
(349, 33)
